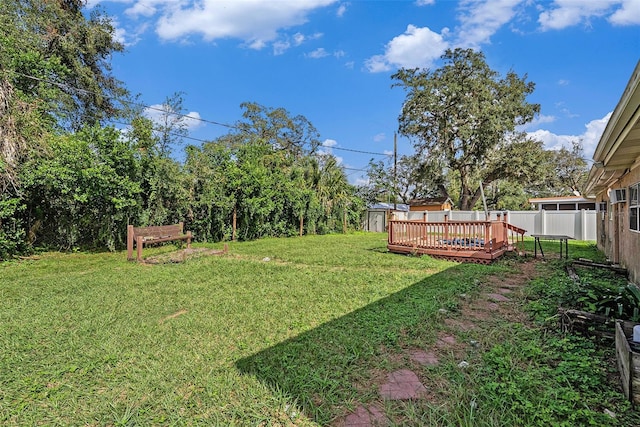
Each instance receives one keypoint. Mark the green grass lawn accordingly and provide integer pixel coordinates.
(91, 339)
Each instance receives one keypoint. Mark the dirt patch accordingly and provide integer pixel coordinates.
(182, 255)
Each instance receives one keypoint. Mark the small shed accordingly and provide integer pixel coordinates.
(430, 204)
(378, 216)
(563, 203)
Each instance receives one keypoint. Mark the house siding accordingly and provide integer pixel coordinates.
(626, 251)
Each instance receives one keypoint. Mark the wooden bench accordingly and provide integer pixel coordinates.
(154, 234)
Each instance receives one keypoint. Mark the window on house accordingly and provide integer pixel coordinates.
(634, 207)
(602, 207)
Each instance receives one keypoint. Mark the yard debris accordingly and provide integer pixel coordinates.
(173, 316)
(463, 365)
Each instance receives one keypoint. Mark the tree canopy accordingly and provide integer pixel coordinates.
(464, 115)
(70, 180)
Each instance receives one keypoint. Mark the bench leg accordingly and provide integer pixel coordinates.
(129, 242)
(139, 243)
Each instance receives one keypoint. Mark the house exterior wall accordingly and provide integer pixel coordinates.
(615, 237)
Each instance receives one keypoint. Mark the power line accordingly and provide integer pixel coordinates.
(137, 104)
(167, 111)
(360, 151)
(162, 130)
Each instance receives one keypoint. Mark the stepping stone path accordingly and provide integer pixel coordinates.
(423, 357)
(404, 384)
(366, 417)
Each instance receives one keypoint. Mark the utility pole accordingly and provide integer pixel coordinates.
(395, 169)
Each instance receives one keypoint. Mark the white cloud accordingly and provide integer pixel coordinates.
(157, 112)
(322, 53)
(388, 152)
(298, 38)
(193, 120)
(255, 22)
(119, 34)
(590, 137)
(146, 8)
(417, 47)
(425, 2)
(537, 121)
(628, 14)
(480, 19)
(380, 137)
(567, 13)
(280, 47)
(286, 42)
(318, 53)
(329, 143)
(563, 82)
(342, 9)
(361, 181)
(327, 150)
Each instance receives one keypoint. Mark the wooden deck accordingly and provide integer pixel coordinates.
(470, 241)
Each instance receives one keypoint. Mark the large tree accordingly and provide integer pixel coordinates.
(294, 135)
(54, 75)
(409, 178)
(55, 55)
(569, 169)
(463, 114)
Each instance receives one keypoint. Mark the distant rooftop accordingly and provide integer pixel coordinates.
(560, 199)
(389, 206)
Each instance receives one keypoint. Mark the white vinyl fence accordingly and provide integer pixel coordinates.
(580, 225)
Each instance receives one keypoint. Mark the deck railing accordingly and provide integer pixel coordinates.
(488, 236)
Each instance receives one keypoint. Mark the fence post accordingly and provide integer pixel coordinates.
(446, 230)
(424, 216)
(505, 236)
(583, 224)
(487, 235)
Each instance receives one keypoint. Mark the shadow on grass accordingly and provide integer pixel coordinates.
(328, 367)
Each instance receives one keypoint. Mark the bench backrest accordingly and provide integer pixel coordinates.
(159, 231)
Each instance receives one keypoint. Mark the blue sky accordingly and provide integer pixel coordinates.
(331, 60)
